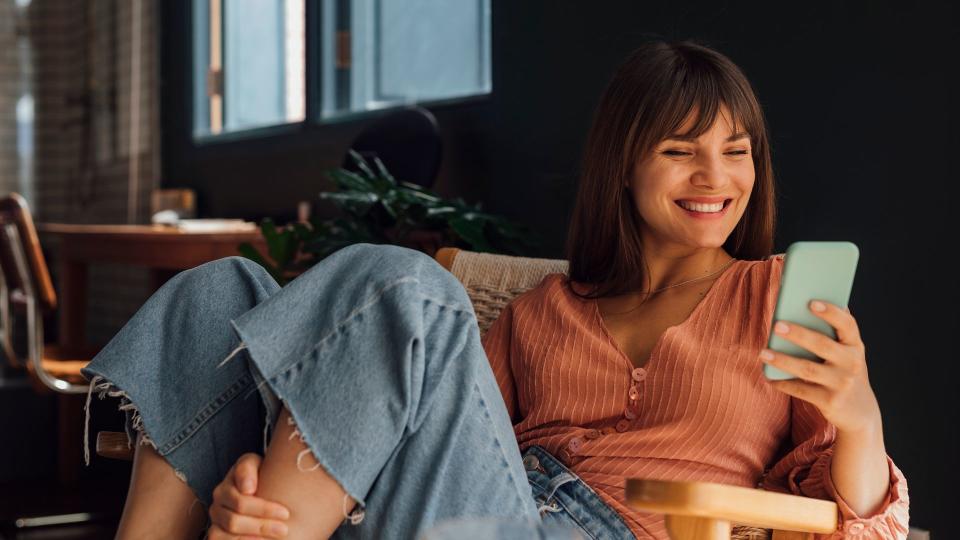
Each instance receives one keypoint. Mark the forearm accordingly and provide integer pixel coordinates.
(859, 469)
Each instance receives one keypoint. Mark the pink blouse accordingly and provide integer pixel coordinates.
(699, 410)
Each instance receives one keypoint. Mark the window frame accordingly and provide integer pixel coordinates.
(313, 122)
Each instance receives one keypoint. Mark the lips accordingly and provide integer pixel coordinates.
(726, 202)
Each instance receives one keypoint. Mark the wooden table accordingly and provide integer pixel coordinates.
(161, 249)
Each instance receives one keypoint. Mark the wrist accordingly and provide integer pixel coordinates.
(869, 431)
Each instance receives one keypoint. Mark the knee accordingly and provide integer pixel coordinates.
(387, 262)
(229, 273)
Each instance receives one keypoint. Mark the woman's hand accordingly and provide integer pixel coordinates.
(236, 513)
(839, 387)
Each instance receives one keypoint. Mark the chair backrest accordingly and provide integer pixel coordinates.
(408, 143)
(493, 280)
(23, 266)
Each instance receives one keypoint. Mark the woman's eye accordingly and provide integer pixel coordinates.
(681, 153)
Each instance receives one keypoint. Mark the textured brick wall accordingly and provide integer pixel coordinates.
(8, 96)
(81, 52)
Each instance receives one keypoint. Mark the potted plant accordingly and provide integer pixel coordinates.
(378, 209)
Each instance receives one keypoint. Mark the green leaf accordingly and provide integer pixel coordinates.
(281, 246)
(471, 231)
(361, 163)
(347, 180)
(384, 173)
(353, 202)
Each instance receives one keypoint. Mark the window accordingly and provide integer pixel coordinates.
(251, 63)
(248, 64)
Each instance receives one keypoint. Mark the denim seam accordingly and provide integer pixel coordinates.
(503, 455)
(206, 413)
(338, 326)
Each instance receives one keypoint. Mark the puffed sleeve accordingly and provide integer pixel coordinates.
(497, 343)
(805, 470)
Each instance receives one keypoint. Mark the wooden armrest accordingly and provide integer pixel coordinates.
(113, 445)
(445, 257)
(711, 502)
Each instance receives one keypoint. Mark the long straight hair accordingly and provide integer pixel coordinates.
(651, 94)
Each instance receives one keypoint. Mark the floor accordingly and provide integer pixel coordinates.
(29, 487)
(102, 500)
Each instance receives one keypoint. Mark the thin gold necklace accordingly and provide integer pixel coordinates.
(692, 280)
(675, 285)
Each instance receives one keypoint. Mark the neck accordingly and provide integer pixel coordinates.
(671, 268)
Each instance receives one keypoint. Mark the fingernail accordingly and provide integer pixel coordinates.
(766, 354)
(248, 486)
(278, 529)
(281, 513)
(818, 306)
(781, 328)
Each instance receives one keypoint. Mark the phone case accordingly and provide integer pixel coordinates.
(812, 270)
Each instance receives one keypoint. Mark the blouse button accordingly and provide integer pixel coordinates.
(639, 374)
(623, 425)
(593, 434)
(575, 444)
(634, 393)
(629, 414)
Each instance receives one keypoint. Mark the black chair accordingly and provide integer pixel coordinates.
(408, 143)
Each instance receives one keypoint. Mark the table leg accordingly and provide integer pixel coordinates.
(72, 313)
(73, 304)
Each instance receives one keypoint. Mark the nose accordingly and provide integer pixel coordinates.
(710, 173)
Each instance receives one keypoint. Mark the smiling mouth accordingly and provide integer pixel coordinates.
(726, 203)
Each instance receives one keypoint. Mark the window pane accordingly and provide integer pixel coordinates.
(260, 49)
(379, 53)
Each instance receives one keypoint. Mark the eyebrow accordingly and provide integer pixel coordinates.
(689, 138)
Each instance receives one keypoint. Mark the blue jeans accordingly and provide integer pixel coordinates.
(376, 354)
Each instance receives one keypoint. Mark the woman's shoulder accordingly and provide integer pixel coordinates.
(753, 281)
(552, 293)
(767, 270)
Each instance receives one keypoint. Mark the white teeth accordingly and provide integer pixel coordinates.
(698, 207)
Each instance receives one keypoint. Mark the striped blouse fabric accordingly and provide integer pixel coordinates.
(700, 409)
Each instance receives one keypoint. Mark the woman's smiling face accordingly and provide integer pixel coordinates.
(716, 166)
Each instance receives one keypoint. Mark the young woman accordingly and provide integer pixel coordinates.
(369, 379)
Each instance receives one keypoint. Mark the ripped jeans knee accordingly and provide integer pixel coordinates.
(354, 517)
(105, 388)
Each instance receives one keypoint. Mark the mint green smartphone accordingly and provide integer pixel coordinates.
(812, 270)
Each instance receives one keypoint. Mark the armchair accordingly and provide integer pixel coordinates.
(694, 510)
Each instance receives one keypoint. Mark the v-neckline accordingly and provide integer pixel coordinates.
(654, 352)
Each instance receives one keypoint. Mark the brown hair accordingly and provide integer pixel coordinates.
(649, 97)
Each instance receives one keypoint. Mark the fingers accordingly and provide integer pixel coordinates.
(249, 505)
(807, 370)
(216, 533)
(240, 514)
(236, 524)
(819, 344)
(813, 393)
(246, 472)
(848, 332)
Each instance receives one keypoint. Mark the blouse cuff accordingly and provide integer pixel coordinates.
(890, 521)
